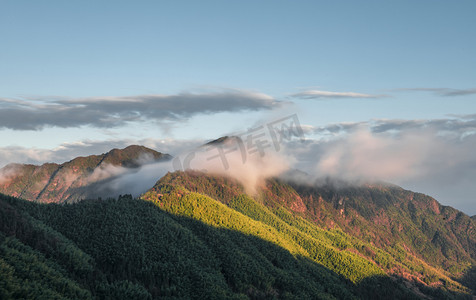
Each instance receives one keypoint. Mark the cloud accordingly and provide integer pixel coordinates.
(364, 155)
(444, 92)
(317, 94)
(130, 181)
(108, 112)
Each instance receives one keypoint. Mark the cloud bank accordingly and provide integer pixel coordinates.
(119, 180)
(108, 112)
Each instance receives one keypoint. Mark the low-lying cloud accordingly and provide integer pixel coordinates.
(135, 181)
(418, 155)
(362, 154)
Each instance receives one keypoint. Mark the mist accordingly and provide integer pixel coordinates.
(117, 181)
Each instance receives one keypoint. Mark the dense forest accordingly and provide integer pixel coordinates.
(201, 237)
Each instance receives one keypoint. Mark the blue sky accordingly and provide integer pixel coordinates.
(331, 62)
(113, 48)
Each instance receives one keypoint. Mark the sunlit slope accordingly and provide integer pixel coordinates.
(250, 218)
(281, 207)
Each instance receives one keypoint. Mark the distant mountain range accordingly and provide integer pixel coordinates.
(196, 235)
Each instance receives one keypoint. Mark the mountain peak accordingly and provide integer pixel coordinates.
(133, 156)
(223, 140)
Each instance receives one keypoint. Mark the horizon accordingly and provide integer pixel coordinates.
(381, 90)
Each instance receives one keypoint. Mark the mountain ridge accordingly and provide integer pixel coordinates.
(68, 181)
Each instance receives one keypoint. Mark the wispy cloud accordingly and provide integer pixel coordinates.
(444, 92)
(318, 94)
(108, 112)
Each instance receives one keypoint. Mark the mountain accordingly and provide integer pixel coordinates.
(77, 179)
(196, 235)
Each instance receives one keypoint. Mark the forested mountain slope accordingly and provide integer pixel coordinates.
(132, 249)
(198, 236)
